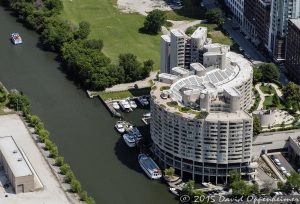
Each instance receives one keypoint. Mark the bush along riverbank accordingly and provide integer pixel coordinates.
(20, 103)
(81, 58)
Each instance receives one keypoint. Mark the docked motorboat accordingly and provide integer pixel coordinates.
(134, 131)
(115, 105)
(175, 191)
(16, 38)
(146, 102)
(129, 140)
(149, 167)
(120, 126)
(125, 105)
(147, 115)
(132, 104)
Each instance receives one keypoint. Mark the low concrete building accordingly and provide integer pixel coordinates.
(15, 166)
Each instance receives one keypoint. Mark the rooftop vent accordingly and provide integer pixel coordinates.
(15, 151)
(20, 159)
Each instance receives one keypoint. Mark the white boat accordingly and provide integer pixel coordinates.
(115, 105)
(134, 131)
(125, 105)
(16, 38)
(147, 115)
(120, 127)
(175, 191)
(132, 104)
(146, 102)
(129, 140)
(149, 167)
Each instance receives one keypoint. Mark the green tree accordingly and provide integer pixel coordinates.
(269, 72)
(291, 94)
(240, 188)
(257, 75)
(131, 66)
(83, 30)
(153, 22)
(294, 180)
(55, 6)
(276, 100)
(256, 126)
(75, 186)
(214, 16)
(169, 171)
(56, 33)
(18, 102)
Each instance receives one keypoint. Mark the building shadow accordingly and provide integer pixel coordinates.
(5, 185)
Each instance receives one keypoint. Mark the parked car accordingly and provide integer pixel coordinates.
(277, 193)
(277, 162)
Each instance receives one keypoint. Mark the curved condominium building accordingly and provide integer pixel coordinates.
(199, 123)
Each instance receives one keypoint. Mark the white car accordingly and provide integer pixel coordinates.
(287, 174)
(283, 170)
(277, 162)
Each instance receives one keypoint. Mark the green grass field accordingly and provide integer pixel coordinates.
(125, 94)
(267, 89)
(119, 31)
(269, 103)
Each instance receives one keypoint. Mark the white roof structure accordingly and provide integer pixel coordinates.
(237, 71)
(177, 33)
(166, 38)
(199, 32)
(14, 157)
(296, 22)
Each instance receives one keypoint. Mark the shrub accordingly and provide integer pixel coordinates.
(185, 109)
(90, 200)
(83, 195)
(172, 104)
(64, 169)
(54, 151)
(59, 161)
(164, 88)
(48, 144)
(70, 176)
(201, 115)
(75, 185)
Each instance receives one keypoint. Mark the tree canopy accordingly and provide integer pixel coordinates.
(291, 93)
(267, 72)
(256, 126)
(153, 22)
(214, 16)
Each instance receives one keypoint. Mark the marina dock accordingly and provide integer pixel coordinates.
(109, 107)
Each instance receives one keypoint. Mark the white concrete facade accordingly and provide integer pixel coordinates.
(207, 147)
(281, 11)
(237, 8)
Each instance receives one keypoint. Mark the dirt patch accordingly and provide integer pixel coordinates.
(144, 6)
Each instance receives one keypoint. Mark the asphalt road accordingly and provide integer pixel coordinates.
(243, 43)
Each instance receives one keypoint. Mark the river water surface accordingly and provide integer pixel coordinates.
(81, 127)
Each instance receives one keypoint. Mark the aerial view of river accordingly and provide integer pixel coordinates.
(81, 127)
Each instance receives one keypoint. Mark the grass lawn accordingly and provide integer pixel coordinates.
(125, 94)
(269, 103)
(267, 89)
(119, 31)
(216, 35)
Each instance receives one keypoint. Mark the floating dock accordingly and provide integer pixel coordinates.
(109, 107)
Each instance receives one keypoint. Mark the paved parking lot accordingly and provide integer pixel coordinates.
(283, 161)
(52, 193)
